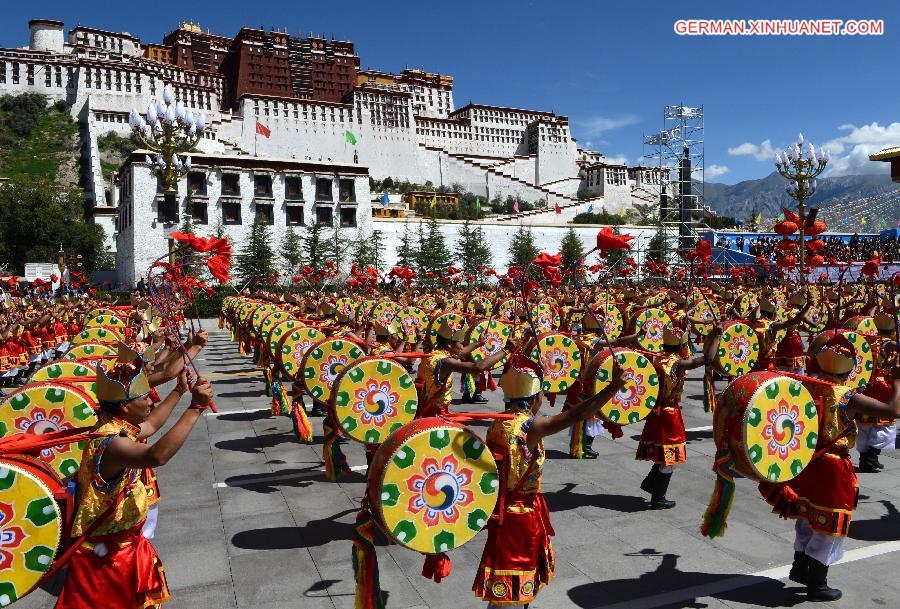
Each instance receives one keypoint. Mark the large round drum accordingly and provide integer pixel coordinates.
(82, 375)
(546, 318)
(746, 304)
(738, 349)
(819, 315)
(277, 332)
(385, 312)
(32, 525)
(42, 408)
(633, 402)
(293, 346)
(372, 398)
(433, 485)
(707, 311)
(413, 322)
(649, 325)
(105, 321)
(91, 351)
(508, 310)
(324, 361)
(454, 319)
(495, 334)
(770, 424)
(479, 305)
(560, 358)
(104, 336)
(610, 316)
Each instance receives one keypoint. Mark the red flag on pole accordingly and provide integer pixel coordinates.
(263, 130)
(558, 208)
(516, 206)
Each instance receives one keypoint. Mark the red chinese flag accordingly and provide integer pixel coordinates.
(263, 130)
(558, 208)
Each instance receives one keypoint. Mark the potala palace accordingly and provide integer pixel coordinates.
(295, 131)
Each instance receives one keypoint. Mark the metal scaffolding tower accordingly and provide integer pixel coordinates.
(677, 151)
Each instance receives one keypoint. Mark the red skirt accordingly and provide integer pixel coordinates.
(663, 439)
(518, 557)
(790, 355)
(825, 494)
(130, 576)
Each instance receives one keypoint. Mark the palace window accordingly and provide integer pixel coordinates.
(231, 185)
(347, 191)
(324, 215)
(30, 74)
(262, 186)
(2, 72)
(348, 217)
(197, 183)
(199, 212)
(293, 190)
(323, 190)
(231, 212)
(265, 214)
(294, 215)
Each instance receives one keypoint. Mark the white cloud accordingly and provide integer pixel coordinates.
(850, 152)
(617, 159)
(596, 125)
(761, 152)
(714, 171)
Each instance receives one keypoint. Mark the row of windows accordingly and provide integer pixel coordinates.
(262, 187)
(167, 213)
(308, 112)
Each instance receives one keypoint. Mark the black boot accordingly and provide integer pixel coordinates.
(817, 583)
(658, 499)
(590, 453)
(318, 410)
(650, 479)
(466, 398)
(478, 399)
(800, 568)
(867, 463)
(875, 452)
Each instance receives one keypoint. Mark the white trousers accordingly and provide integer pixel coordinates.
(882, 437)
(824, 548)
(149, 528)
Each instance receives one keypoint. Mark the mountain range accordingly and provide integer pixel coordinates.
(767, 195)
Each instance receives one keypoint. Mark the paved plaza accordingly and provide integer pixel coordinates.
(248, 520)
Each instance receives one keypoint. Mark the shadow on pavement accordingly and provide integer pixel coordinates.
(565, 499)
(242, 394)
(886, 528)
(312, 534)
(696, 436)
(255, 444)
(667, 578)
(240, 417)
(298, 478)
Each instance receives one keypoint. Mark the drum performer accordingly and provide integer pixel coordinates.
(878, 434)
(823, 497)
(663, 439)
(116, 567)
(518, 557)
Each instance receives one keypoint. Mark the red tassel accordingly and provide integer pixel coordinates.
(551, 399)
(614, 429)
(436, 567)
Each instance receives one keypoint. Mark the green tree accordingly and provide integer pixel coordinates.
(361, 251)
(315, 245)
(407, 253)
(571, 248)
(434, 255)
(522, 249)
(291, 251)
(377, 249)
(472, 248)
(255, 263)
(656, 248)
(36, 217)
(616, 258)
(338, 246)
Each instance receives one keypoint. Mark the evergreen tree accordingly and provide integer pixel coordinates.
(522, 249)
(656, 248)
(472, 248)
(182, 253)
(421, 246)
(434, 256)
(291, 251)
(361, 251)
(407, 252)
(338, 246)
(315, 246)
(376, 250)
(571, 248)
(256, 261)
(616, 258)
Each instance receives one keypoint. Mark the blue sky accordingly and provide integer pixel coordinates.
(610, 67)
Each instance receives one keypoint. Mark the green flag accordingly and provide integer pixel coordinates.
(351, 137)
(477, 205)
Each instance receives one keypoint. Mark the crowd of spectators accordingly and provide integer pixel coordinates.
(857, 248)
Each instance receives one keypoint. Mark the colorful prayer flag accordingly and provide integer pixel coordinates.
(516, 206)
(385, 199)
(477, 205)
(433, 201)
(759, 218)
(558, 208)
(351, 137)
(622, 213)
(591, 210)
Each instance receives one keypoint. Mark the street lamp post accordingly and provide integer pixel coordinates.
(169, 130)
(801, 168)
